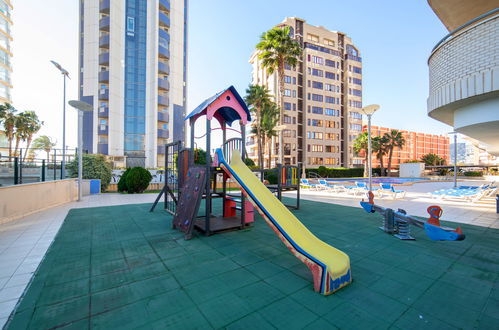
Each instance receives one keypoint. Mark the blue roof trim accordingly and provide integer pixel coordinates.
(228, 114)
(222, 160)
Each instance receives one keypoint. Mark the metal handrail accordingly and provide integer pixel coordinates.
(465, 25)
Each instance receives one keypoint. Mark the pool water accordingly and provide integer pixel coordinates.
(382, 180)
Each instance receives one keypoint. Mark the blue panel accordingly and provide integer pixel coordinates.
(178, 123)
(135, 77)
(94, 186)
(88, 124)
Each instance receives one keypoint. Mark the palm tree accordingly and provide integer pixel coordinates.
(44, 143)
(270, 119)
(393, 139)
(8, 117)
(33, 125)
(360, 144)
(277, 48)
(432, 159)
(257, 97)
(20, 123)
(379, 147)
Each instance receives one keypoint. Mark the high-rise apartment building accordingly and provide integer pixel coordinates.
(5, 51)
(416, 146)
(133, 71)
(322, 98)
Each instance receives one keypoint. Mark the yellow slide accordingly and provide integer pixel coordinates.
(330, 267)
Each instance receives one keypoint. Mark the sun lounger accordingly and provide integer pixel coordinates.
(305, 183)
(389, 189)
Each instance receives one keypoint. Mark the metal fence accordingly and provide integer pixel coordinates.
(18, 170)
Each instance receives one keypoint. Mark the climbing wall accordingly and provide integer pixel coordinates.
(190, 199)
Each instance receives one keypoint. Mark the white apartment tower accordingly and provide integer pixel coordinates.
(322, 99)
(133, 72)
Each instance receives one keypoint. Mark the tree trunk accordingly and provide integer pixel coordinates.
(270, 152)
(366, 165)
(381, 167)
(259, 139)
(390, 154)
(27, 146)
(48, 156)
(10, 146)
(280, 71)
(18, 139)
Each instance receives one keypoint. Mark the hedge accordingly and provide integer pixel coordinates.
(337, 172)
(473, 173)
(94, 167)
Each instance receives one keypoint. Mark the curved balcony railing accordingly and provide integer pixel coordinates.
(104, 76)
(103, 112)
(104, 23)
(103, 130)
(163, 68)
(162, 133)
(164, 20)
(103, 94)
(164, 5)
(163, 116)
(163, 84)
(102, 148)
(104, 59)
(104, 6)
(163, 52)
(163, 100)
(104, 41)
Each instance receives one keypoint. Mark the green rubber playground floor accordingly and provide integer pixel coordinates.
(123, 267)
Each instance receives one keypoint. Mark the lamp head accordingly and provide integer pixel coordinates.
(60, 68)
(370, 109)
(80, 105)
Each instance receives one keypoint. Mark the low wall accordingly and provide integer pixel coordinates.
(21, 200)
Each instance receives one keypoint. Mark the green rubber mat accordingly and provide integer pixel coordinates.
(123, 267)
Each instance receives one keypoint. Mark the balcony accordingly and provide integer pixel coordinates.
(102, 148)
(164, 20)
(103, 94)
(161, 150)
(163, 84)
(104, 59)
(163, 52)
(163, 68)
(164, 5)
(104, 41)
(164, 35)
(162, 133)
(104, 76)
(163, 116)
(103, 130)
(104, 24)
(353, 58)
(163, 100)
(103, 112)
(104, 6)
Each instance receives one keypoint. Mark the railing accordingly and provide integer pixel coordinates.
(465, 25)
(16, 170)
(104, 23)
(232, 144)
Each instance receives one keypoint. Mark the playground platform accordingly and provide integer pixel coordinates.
(123, 267)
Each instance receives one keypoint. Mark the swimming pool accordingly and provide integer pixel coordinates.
(382, 180)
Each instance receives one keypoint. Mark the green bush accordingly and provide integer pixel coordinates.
(473, 173)
(94, 167)
(137, 180)
(122, 182)
(336, 172)
(271, 176)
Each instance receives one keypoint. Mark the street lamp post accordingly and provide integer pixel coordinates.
(65, 74)
(81, 107)
(455, 158)
(369, 111)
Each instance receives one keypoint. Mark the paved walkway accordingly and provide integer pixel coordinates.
(416, 201)
(23, 243)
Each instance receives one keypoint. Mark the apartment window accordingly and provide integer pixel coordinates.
(315, 148)
(355, 104)
(317, 84)
(331, 124)
(329, 87)
(287, 120)
(332, 149)
(315, 122)
(287, 106)
(130, 26)
(356, 69)
(355, 115)
(332, 112)
(287, 92)
(330, 161)
(294, 80)
(330, 63)
(294, 93)
(317, 60)
(294, 106)
(314, 135)
(315, 160)
(103, 121)
(332, 136)
(102, 139)
(330, 75)
(312, 37)
(317, 97)
(287, 79)
(317, 110)
(289, 133)
(317, 73)
(287, 66)
(330, 99)
(356, 92)
(355, 127)
(357, 81)
(329, 42)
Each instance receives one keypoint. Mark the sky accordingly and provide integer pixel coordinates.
(395, 39)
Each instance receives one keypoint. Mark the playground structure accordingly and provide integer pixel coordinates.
(397, 223)
(187, 184)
